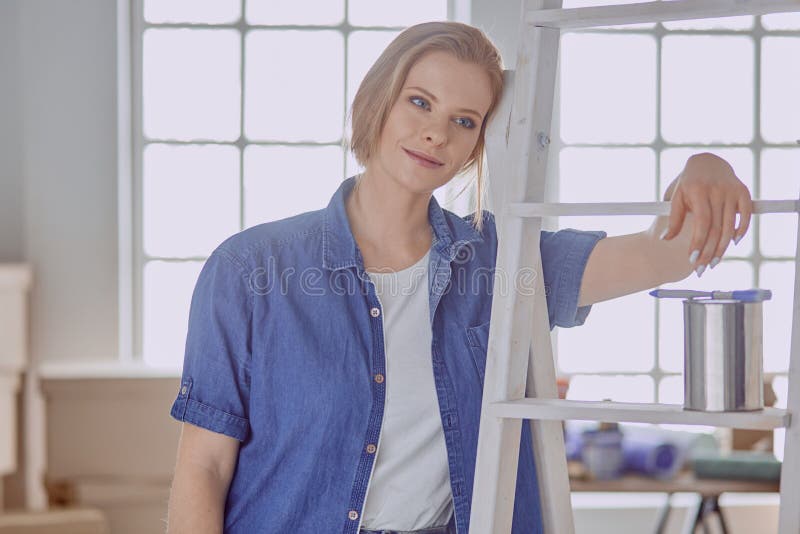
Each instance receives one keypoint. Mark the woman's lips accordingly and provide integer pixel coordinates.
(423, 161)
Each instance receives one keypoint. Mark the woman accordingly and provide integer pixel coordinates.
(320, 401)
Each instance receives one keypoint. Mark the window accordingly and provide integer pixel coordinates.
(239, 111)
(636, 101)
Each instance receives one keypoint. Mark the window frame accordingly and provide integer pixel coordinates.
(132, 143)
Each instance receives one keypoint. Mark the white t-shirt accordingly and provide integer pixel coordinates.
(409, 488)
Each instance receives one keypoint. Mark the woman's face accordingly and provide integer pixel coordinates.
(434, 124)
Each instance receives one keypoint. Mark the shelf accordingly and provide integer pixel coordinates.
(589, 17)
(683, 482)
(554, 209)
(617, 412)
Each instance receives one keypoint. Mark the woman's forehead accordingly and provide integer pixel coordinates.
(450, 79)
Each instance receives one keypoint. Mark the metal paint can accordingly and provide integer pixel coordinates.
(723, 361)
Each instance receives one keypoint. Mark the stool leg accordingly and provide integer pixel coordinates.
(716, 508)
(694, 516)
(663, 515)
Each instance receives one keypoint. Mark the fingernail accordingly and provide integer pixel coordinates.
(714, 262)
(693, 256)
(663, 233)
(737, 239)
(700, 270)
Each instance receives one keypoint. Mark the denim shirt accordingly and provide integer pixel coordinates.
(285, 353)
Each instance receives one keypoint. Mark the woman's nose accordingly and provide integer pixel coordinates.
(436, 132)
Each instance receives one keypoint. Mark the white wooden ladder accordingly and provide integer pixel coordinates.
(520, 375)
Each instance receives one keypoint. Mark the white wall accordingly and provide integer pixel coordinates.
(58, 163)
(11, 198)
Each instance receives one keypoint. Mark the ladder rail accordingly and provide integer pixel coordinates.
(555, 209)
(630, 412)
(510, 337)
(496, 440)
(789, 514)
(591, 17)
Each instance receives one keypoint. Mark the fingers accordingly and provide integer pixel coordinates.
(745, 211)
(677, 214)
(728, 227)
(702, 227)
(712, 238)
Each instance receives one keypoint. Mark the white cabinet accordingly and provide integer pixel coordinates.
(15, 282)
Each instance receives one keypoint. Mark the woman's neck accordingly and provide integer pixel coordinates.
(390, 224)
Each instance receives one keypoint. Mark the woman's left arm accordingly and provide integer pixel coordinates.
(706, 196)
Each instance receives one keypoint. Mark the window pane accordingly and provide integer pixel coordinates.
(778, 234)
(281, 181)
(191, 84)
(727, 276)
(779, 277)
(192, 11)
(294, 85)
(607, 175)
(670, 390)
(352, 166)
(167, 297)
(363, 48)
(673, 160)
(780, 179)
(612, 101)
(707, 88)
(616, 388)
(725, 23)
(598, 346)
(200, 182)
(456, 195)
(780, 85)
(306, 12)
(393, 13)
(781, 21)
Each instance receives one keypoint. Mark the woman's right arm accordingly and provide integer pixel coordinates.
(203, 472)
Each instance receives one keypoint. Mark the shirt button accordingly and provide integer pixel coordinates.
(353, 515)
(371, 448)
(375, 312)
(379, 378)
(183, 390)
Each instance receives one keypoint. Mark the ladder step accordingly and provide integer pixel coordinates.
(589, 17)
(617, 412)
(554, 209)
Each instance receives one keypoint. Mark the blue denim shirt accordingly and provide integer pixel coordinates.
(285, 353)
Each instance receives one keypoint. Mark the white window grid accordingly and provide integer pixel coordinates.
(132, 22)
(657, 373)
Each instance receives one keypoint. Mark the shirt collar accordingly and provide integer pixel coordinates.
(339, 249)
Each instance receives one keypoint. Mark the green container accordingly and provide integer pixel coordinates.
(738, 465)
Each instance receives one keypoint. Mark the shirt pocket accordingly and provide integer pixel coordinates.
(478, 341)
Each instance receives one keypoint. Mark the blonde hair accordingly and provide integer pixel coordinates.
(382, 84)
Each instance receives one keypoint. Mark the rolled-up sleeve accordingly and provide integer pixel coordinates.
(564, 257)
(215, 381)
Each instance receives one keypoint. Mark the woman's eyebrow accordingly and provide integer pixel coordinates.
(432, 97)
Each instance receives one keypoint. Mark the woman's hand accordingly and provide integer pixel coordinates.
(709, 190)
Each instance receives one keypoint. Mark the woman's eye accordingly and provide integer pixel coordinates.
(414, 99)
(421, 103)
(467, 122)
